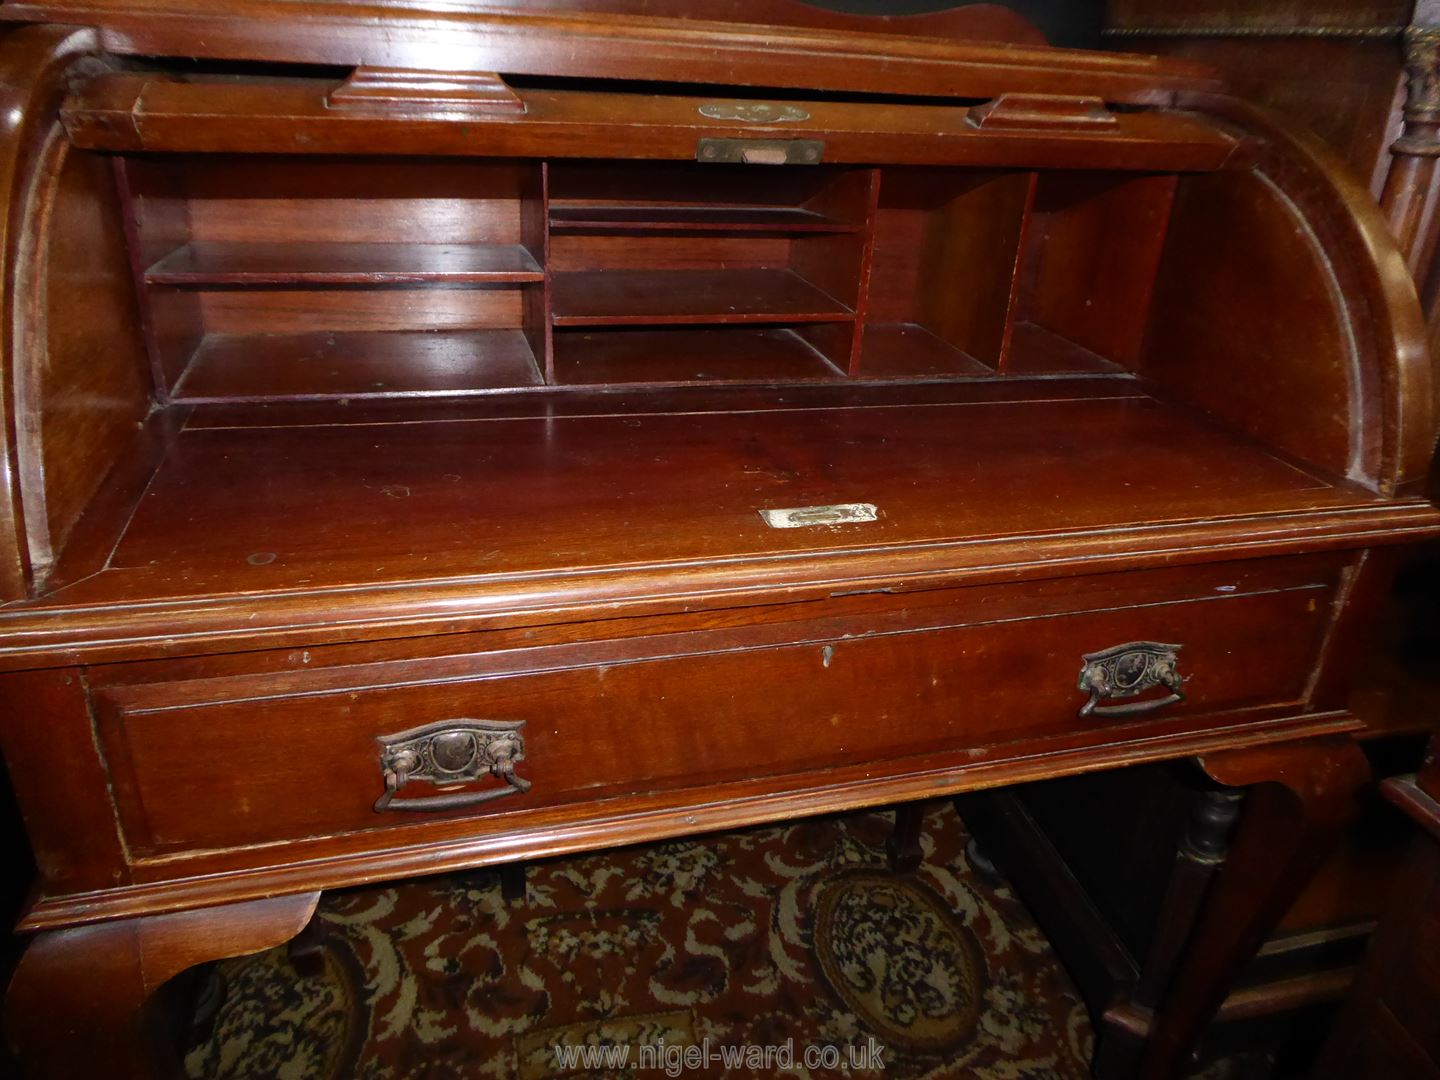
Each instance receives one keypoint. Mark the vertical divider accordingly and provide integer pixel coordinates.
(169, 353)
(867, 259)
(535, 235)
(1022, 255)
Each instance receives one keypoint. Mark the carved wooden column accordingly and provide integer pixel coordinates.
(1408, 184)
(83, 1003)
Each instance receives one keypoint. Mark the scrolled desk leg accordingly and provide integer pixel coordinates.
(1300, 796)
(82, 1002)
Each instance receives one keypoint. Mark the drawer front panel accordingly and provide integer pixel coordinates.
(261, 769)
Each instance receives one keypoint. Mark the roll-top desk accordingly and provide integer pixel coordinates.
(439, 437)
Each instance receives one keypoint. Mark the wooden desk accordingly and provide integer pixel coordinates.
(415, 469)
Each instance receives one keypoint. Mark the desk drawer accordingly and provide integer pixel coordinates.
(245, 760)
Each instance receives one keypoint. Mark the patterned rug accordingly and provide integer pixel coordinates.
(787, 951)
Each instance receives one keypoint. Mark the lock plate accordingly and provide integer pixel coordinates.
(760, 151)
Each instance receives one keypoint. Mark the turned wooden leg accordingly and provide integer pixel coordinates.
(1300, 796)
(902, 846)
(82, 1001)
(1202, 851)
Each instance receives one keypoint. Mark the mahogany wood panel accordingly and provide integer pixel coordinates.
(285, 198)
(834, 342)
(143, 112)
(299, 310)
(252, 676)
(762, 219)
(157, 221)
(646, 250)
(35, 68)
(1092, 249)
(257, 367)
(837, 263)
(1036, 351)
(728, 197)
(277, 669)
(92, 387)
(909, 349)
(563, 506)
(1261, 281)
(615, 297)
(961, 296)
(393, 91)
(615, 356)
(89, 994)
(571, 403)
(583, 45)
(567, 494)
(225, 876)
(68, 814)
(1395, 441)
(837, 266)
(715, 721)
(678, 251)
(208, 263)
(946, 248)
(94, 534)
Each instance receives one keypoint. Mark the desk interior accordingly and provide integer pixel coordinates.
(338, 500)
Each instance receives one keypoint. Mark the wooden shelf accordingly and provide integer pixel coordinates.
(638, 297)
(687, 356)
(763, 219)
(256, 367)
(908, 350)
(344, 264)
(1036, 351)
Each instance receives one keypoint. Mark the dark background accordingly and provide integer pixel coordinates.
(1075, 23)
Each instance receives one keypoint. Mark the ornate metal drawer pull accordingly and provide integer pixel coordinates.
(452, 752)
(1127, 671)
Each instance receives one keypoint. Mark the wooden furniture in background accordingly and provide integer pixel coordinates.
(472, 455)
(1387, 1027)
(1364, 77)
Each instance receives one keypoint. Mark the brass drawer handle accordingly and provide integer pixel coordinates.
(1127, 671)
(452, 752)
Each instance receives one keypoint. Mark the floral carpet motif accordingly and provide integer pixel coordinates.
(737, 943)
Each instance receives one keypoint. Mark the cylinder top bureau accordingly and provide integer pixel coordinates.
(445, 434)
